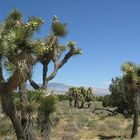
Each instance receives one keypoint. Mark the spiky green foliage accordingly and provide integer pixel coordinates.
(12, 20)
(47, 105)
(16, 43)
(58, 28)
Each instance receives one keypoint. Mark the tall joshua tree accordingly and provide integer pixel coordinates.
(56, 51)
(131, 75)
(16, 57)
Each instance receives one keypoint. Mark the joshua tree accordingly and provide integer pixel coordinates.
(70, 94)
(16, 49)
(89, 96)
(131, 74)
(58, 30)
(76, 96)
(82, 96)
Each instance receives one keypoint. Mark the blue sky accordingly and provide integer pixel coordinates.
(108, 31)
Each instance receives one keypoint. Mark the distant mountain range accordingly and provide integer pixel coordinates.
(60, 88)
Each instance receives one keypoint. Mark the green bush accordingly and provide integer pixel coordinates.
(55, 117)
(91, 123)
(121, 97)
(62, 97)
(107, 101)
(5, 126)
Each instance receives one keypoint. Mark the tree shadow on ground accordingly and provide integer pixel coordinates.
(105, 137)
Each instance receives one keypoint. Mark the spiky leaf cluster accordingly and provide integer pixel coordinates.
(58, 28)
(131, 74)
(47, 105)
(16, 45)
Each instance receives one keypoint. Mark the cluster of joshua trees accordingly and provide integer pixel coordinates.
(79, 97)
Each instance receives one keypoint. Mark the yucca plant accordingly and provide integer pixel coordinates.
(30, 109)
(46, 107)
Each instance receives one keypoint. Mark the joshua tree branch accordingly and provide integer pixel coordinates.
(58, 65)
(66, 58)
(1, 72)
(34, 84)
(14, 81)
(105, 109)
(45, 71)
(1, 76)
(54, 72)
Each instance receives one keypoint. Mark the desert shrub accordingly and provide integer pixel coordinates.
(99, 98)
(62, 97)
(107, 101)
(54, 118)
(5, 126)
(82, 120)
(92, 123)
(121, 96)
(35, 95)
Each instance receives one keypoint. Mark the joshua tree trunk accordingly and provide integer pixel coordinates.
(82, 104)
(23, 100)
(46, 129)
(75, 103)
(34, 84)
(45, 69)
(9, 109)
(29, 131)
(70, 102)
(136, 115)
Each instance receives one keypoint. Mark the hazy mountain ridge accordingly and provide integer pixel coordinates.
(61, 88)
